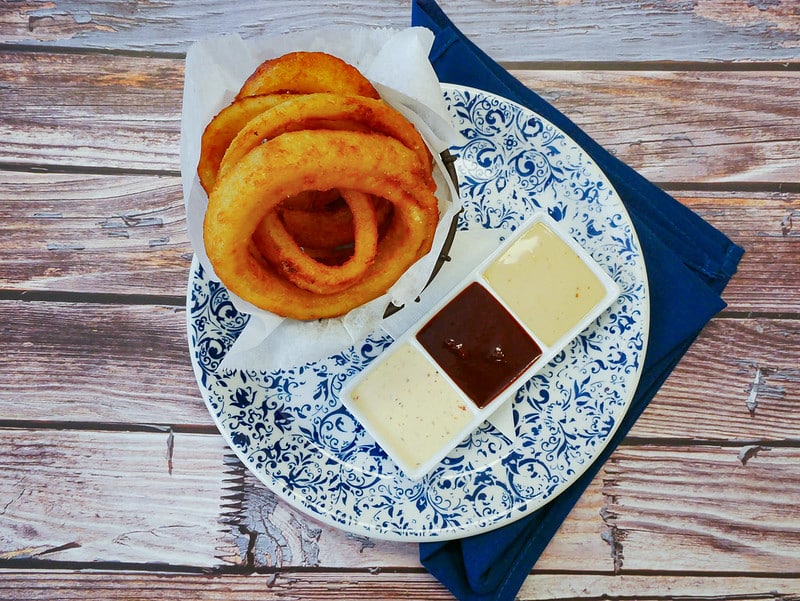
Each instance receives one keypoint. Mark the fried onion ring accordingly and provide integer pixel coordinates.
(304, 73)
(318, 111)
(282, 250)
(291, 163)
(320, 194)
(312, 200)
(223, 128)
(329, 228)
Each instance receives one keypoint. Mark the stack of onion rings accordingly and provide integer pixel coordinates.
(320, 195)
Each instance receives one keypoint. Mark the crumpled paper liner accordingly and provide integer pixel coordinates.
(396, 62)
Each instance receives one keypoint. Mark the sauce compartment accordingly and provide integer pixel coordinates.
(479, 345)
(470, 354)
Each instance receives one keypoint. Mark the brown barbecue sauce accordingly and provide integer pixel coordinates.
(478, 344)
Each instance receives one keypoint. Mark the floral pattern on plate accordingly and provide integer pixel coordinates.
(290, 429)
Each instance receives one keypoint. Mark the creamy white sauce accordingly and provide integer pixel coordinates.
(545, 283)
(409, 406)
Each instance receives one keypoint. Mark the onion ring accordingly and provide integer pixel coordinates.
(283, 251)
(223, 129)
(329, 228)
(312, 200)
(306, 72)
(320, 194)
(317, 111)
(296, 161)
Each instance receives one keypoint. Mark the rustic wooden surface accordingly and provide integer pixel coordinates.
(114, 482)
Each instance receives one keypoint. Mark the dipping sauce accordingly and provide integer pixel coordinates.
(411, 406)
(547, 285)
(477, 342)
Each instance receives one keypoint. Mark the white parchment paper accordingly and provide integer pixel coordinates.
(396, 62)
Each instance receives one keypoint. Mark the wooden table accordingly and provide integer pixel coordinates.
(114, 482)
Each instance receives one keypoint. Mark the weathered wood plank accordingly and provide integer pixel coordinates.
(114, 496)
(272, 534)
(378, 586)
(148, 497)
(126, 234)
(152, 498)
(97, 363)
(73, 508)
(740, 381)
(75, 110)
(51, 373)
(541, 587)
(767, 226)
(704, 509)
(101, 233)
(280, 586)
(648, 506)
(705, 126)
(102, 111)
(616, 30)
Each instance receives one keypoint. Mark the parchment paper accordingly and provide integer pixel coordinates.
(396, 62)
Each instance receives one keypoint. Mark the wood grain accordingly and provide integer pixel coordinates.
(123, 234)
(131, 497)
(65, 585)
(541, 587)
(740, 382)
(75, 508)
(274, 534)
(704, 509)
(280, 586)
(78, 232)
(767, 226)
(277, 535)
(512, 30)
(280, 536)
(90, 110)
(98, 111)
(97, 364)
(174, 499)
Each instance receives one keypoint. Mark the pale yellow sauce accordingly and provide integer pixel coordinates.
(410, 405)
(543, 281)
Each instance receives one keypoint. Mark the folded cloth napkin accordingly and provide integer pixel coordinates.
(688, 264)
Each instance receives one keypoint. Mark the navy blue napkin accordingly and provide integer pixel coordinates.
(688, 265)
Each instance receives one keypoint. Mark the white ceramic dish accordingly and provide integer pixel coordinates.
(465, 358)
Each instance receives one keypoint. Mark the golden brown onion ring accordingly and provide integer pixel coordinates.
(283, 251)
(304, 73)
(223, 129)
(318, 111)
(329, 228)
(312, 200)
(317, 159)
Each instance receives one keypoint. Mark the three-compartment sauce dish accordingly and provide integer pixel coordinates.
(470, 353)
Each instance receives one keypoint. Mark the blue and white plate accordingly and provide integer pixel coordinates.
(291, 430)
